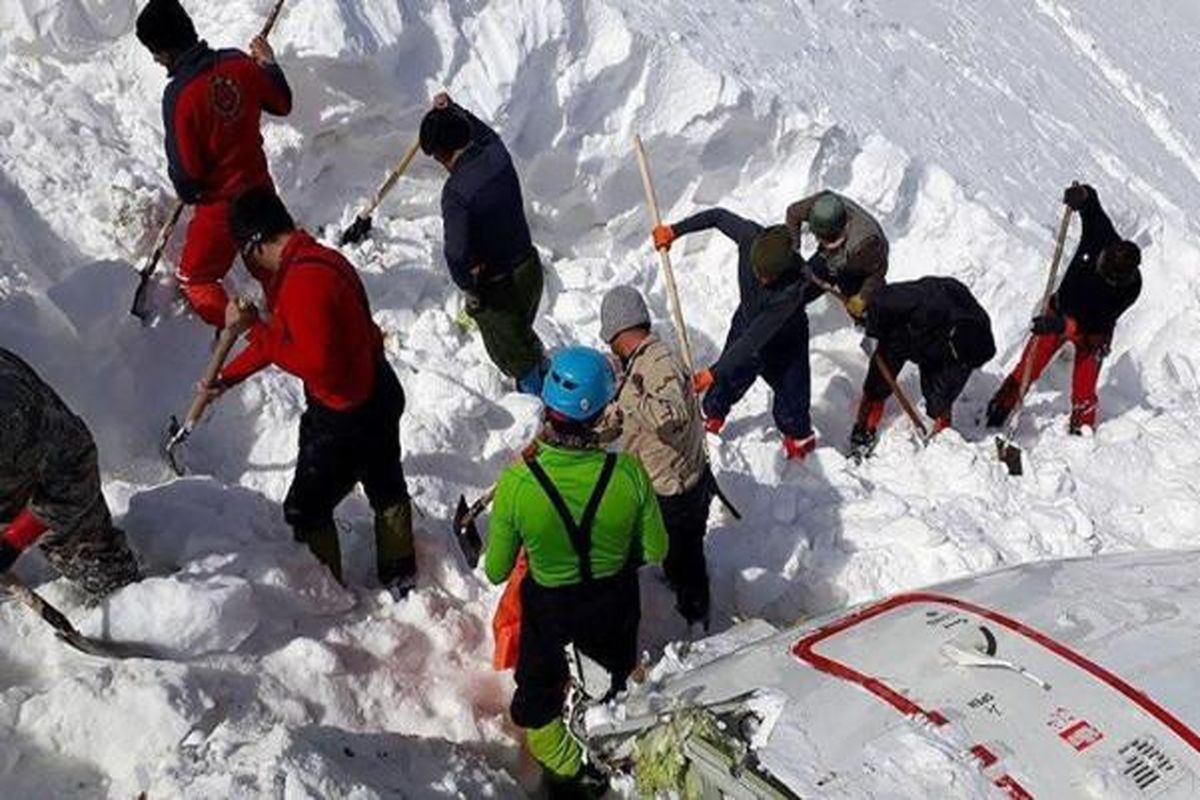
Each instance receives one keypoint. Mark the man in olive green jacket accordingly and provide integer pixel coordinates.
(852, 250)
(586, 520)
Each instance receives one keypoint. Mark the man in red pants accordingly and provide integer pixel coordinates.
(212, 109)
(1102, 281)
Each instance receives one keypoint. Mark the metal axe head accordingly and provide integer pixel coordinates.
(1010, 454)
(466, 533)
(357, 231)
(176, 435)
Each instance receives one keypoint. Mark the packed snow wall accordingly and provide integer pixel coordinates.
(957, 125)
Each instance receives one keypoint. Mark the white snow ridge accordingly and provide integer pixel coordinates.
(958, 123)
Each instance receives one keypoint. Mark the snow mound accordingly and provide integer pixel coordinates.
(958, 125)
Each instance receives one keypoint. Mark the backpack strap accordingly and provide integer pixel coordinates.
(579, 533)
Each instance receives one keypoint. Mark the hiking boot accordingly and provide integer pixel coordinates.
(862, 443)
(322, 541)
(587, 784)
(395, 556)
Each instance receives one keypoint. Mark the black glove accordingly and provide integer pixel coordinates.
(1047, 324)
(1076, 196)
(8, 556)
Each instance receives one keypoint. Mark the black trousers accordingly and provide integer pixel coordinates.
(339, 449)
(941, 384)
(686, 518)
(600, 618)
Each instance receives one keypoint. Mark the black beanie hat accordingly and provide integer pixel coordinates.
(258, 216)
(972, 343)
(1118, 263)
(771, 255)
(164, 27)
(443, 131)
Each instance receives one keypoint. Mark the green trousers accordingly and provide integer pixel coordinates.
(505, 318)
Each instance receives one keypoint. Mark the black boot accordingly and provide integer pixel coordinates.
(587, 784)
(862, 443)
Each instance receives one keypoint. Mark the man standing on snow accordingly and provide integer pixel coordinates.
(488, 247)
(50, 487)
(1102, 281)
(321, 331)
(586, 520)
(212, 109)
(658, 417)
(934, 322)
(852, 250)
(768, 335)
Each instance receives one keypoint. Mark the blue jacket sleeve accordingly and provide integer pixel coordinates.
(456, 232)
(736, 228)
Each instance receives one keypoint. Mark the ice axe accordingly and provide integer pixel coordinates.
(139, 309)
(664, 257)
(68, 633)
(177, 434)
(465, 531)
(361, 227)
(881, 364)
(1006, 447)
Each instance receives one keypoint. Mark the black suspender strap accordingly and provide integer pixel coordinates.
(579, 533)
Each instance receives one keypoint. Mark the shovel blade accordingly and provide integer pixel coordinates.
(176, 435)
(139, 308)
(1010, 454)
(466, 534)
(357, 231)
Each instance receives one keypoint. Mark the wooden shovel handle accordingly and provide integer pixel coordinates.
(202, 399)
(269, 25)
(391, 179)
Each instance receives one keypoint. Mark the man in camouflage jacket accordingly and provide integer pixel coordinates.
(659, 420)
(50, 486)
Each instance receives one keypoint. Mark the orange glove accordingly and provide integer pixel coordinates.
(663, 235)
(702, 381)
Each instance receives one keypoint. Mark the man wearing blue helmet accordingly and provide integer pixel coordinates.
(587, 520)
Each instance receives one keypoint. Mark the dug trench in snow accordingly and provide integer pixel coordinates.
(958, 127)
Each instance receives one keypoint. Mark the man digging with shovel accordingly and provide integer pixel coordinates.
(321, 331)
(1102, 281)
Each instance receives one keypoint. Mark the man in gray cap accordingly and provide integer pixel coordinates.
(659, 419)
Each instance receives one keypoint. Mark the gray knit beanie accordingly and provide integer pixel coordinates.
(621, 309)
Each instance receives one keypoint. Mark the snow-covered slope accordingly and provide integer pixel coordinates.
(958, 123)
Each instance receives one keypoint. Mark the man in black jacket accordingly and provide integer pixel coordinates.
(934, 322)
(487, 243)
(1102, 281)
(768, 335)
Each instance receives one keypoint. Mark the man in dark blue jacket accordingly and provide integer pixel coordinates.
(936, 323)
(768, 335)
(488, 247)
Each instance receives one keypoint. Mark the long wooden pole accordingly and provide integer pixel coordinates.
(393, 176)
(664, 256)
(271, 18)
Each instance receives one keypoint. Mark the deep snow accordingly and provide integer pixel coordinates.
(957, 123)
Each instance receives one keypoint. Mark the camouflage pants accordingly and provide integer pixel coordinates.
(64, 493)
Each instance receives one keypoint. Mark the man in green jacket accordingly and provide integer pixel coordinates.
(586, 520)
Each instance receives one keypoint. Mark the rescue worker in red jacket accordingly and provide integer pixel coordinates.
(320, 330)
(212, 109)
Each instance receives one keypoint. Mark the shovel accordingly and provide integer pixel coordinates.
(465, 531)
(178, 433)
(139, 309)
(68, 633)
(1006, 447)
(361, 227)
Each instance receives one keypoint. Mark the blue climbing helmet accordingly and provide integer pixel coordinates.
(579, 384)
